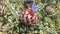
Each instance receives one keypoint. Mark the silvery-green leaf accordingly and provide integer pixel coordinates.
(1, 24)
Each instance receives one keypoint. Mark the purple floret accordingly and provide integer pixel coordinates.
(34, 7)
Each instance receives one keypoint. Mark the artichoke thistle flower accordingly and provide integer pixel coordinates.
(27, 16)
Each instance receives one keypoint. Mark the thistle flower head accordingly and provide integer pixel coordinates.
(28, 17)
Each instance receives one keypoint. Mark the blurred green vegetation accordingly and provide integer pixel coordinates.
(48, 13)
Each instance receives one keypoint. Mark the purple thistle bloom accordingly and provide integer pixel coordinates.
(34, 7)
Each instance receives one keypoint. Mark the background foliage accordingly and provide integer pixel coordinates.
(48, 13)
